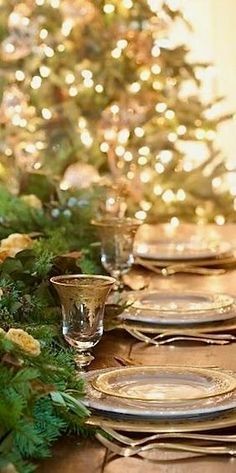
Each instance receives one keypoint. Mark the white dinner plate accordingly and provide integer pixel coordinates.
(166, 307)
(195, 381)
(182, 250)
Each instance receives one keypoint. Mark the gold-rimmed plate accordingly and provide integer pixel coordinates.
(168, 307)
(112, 405)
(222, 421)
(164, 383)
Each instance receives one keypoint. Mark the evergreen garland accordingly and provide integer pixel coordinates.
(40, 395)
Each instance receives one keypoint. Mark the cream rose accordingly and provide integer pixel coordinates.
(25, 341)
(14, 243)
(32, 200)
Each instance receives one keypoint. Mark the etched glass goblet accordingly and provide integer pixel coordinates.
(82, 300)
(117, 240)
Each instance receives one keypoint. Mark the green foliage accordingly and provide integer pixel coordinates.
(41, 397)
(39, 400)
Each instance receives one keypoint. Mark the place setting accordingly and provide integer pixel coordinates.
(182, 407)
(203, 256)
(161, 317)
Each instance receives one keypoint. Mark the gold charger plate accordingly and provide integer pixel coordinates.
(164, 383)
(228, 419)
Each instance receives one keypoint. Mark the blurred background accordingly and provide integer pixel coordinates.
(135, 96)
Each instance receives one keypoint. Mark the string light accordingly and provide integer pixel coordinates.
(142, 160)
(88, 83)
(181, 195)
(135, 87)
(67, 26)
(130, 175)
(73, 91)
(219, 219)
(99, 88)
(168, 196)
(70, 78)
(216, 182)
(115, 109)
(48, 51)
(44, 71)
(174, 221)
(145, 205)
(127, 4)
(122, 43)
(39, 2)
(155, 52)
(123, 135)
(86, 74)
(119, 150)
(46, 113)
(159, 168)
(157, 189)
(156, 69)
(36, 82)
(160, 107)
(138, 131)
(82, 123)
(19, 75)
(86, 138)
(128, 156)
(169, 114)
(172, 137)
(43, 33)
(165, 156)
(145, 150)
(108, 8)
(61, 48)
(55, 3)
(140, 215)
(145, 175)
(157, 85)
(104, 147)
(145, 74)
(116, 53)
(181, 130)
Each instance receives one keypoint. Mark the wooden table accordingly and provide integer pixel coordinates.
(72, 455)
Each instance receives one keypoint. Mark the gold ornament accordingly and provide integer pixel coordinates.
(79, 176)
(22, 36)
(13, 104)
(80, 12)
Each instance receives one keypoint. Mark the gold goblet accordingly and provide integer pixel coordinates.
(82, 300)
(117, 240)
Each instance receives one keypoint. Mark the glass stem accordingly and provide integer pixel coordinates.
(83, 360)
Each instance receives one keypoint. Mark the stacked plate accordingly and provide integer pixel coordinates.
(181, 251)
(155, 311)
(162, 399)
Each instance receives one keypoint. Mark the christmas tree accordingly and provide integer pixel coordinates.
(91, 87)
